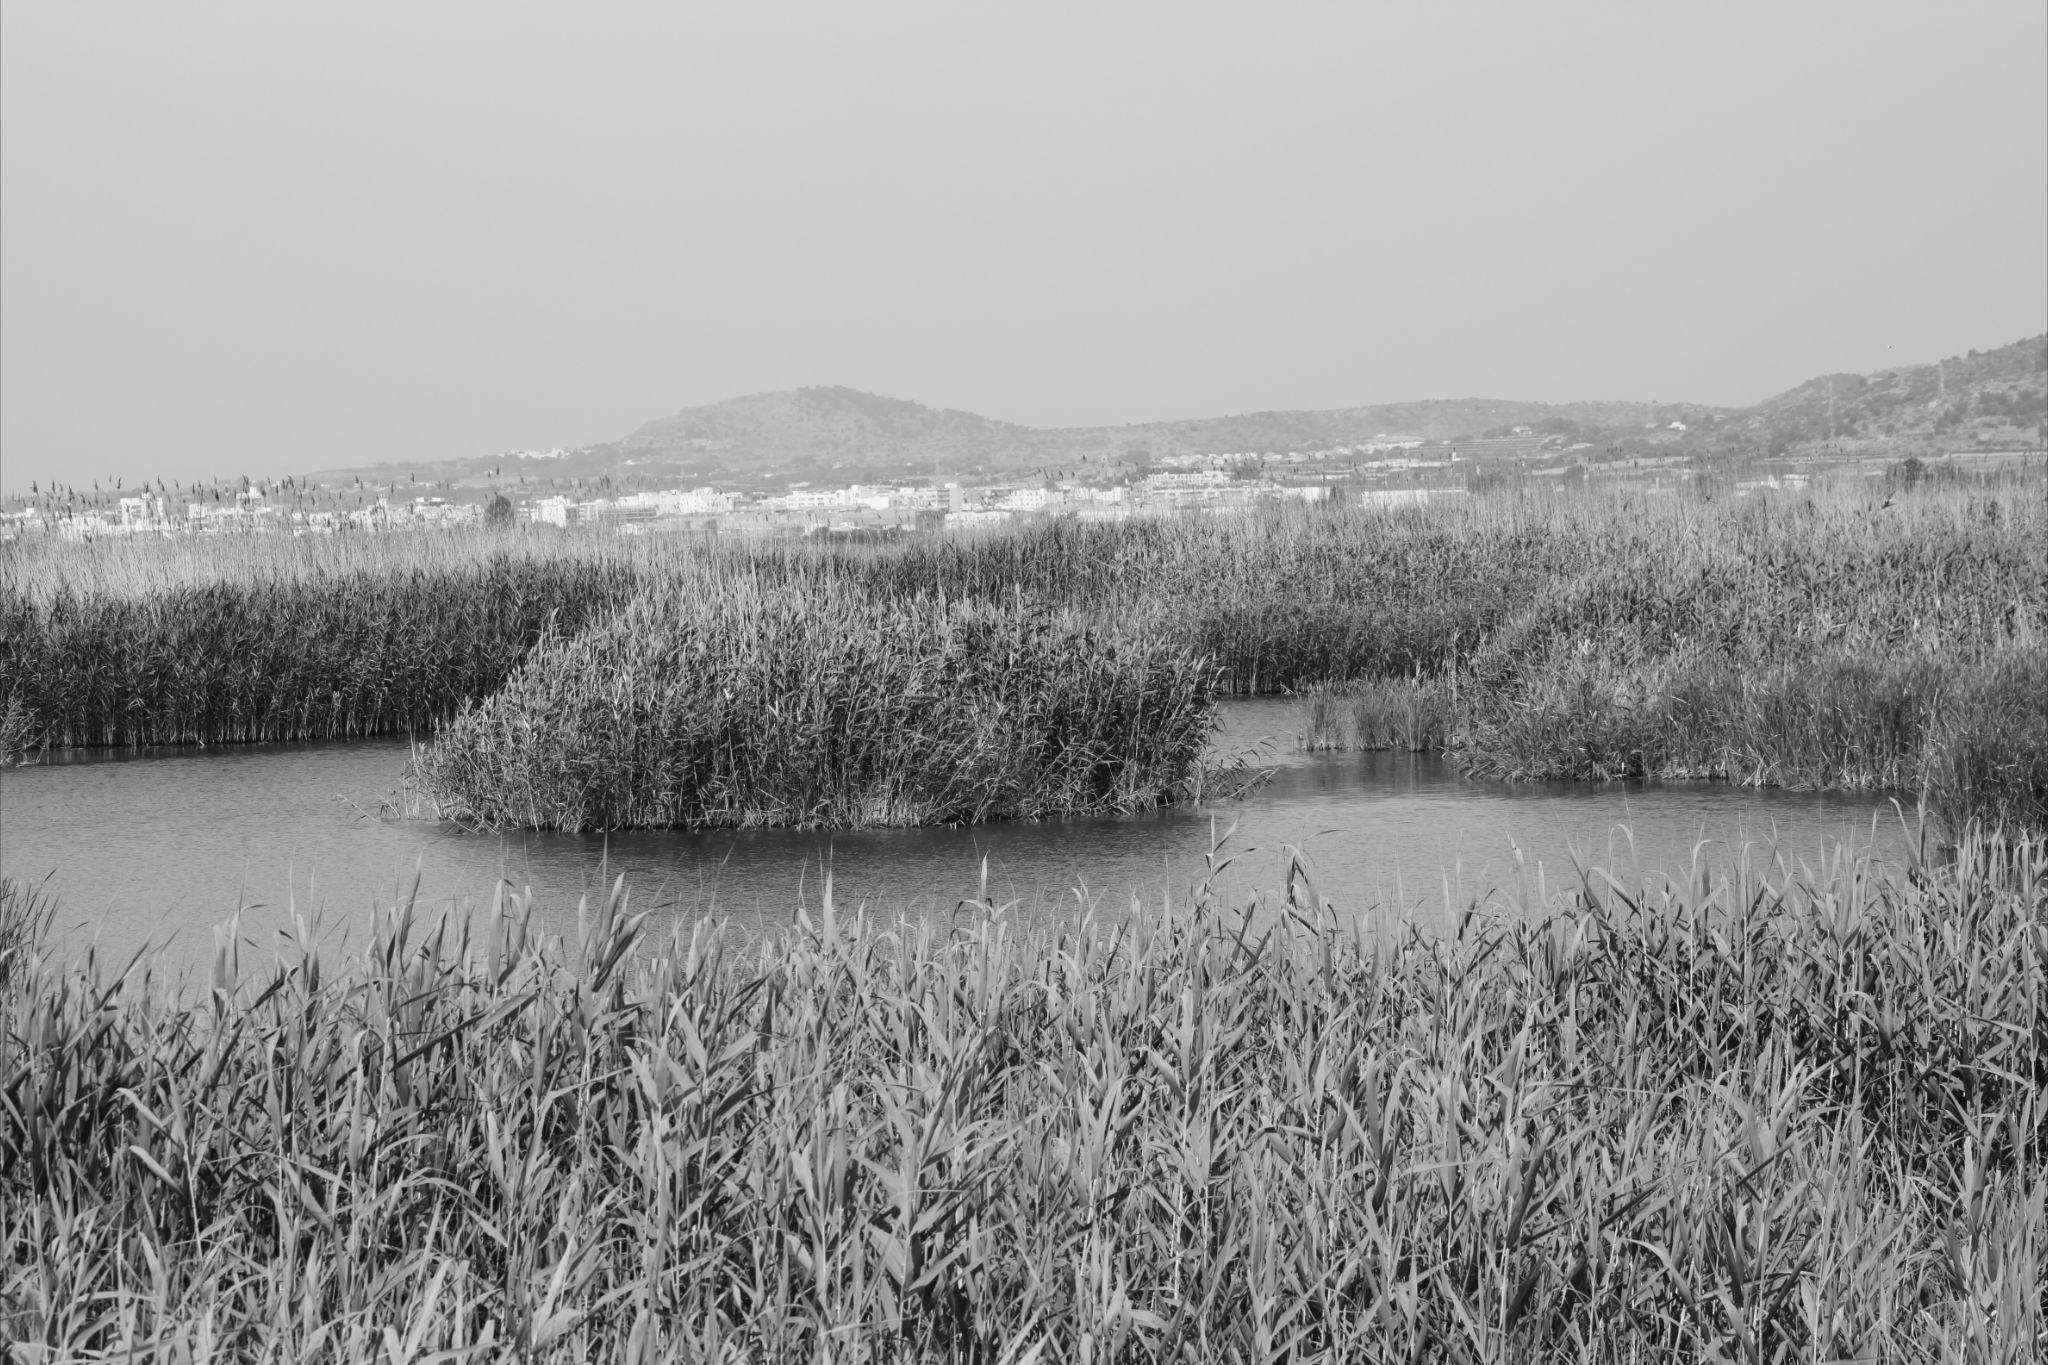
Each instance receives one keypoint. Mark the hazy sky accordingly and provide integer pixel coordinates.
(267, 238)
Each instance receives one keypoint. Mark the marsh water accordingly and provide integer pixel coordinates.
(150, 852)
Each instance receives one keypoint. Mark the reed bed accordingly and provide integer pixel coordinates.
(20, 732)
(357, 652)
(825, 706)
(1280, 597)
(1824, 640)
(1850, 650)
(1970, 737)
(229, 640)
(1792, 1115)
(142, 568)
(1415, 714)
(1846, 645)
(152, 642)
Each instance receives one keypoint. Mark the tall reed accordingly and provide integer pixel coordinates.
(20, 732)
(1583, 635)
(825, 706)
(1792, 1115)
(359, 653)
(1840, 645)
(25, 914)
(1416, 714)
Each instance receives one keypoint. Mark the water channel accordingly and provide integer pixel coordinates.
(150, 852)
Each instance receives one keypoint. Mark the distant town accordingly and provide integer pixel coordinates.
(839, 462)
(1387, 471)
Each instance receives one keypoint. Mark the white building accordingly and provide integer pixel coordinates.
(946, 497)
(141, 510)
(811, 500)
(976, 518)
(674, 502)
(1190, 481)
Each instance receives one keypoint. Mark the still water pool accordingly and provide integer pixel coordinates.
(154, 850)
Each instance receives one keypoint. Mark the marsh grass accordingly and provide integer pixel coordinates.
(1840, 645)
(1835, 639)
(25, 915)
(1968, 741)
(1413, 714)
(824, 705)
(21, 737)
(1988, 758)
(1789, 1115)
(331, 652)
(229, 640)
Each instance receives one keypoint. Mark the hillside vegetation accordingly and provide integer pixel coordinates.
(2002, 392)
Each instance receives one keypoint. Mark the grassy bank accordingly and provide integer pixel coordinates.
(1790, 1117)
(825, 705)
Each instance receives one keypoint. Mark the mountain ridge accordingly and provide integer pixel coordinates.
(830, 432)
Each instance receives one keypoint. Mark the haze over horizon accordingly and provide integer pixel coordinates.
(248, 239)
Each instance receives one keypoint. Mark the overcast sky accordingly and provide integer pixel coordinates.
(268, 238)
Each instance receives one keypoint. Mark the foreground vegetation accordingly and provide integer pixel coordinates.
(1846, 639)
(825, 706)
(1791, 1116)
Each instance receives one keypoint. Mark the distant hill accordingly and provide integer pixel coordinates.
(1438, 419)
(819, 420)
(841, 435)
(810, 433)
(2000, 393)
(845, 435)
